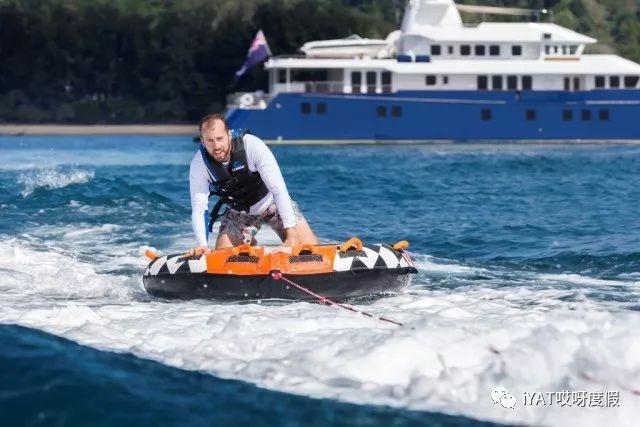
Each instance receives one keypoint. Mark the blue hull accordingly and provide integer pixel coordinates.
(447, 115)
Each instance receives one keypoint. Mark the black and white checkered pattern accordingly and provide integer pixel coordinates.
(375, 257)
(176, 264)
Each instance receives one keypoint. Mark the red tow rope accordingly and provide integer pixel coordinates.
(276, 275)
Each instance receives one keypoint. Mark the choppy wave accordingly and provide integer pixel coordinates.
(609, 263)
(27, 270)
(587, 281)
(458, 344)
(528, 259)
(53, 178)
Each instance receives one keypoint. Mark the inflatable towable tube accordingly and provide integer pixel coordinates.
(342, 271)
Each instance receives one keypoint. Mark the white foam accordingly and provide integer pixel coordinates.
(46, 274)
(457, 346)
(585, 280)
(431, 266)
(103, 244)
(52, 179)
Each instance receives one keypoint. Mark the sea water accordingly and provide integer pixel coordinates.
(529, 280)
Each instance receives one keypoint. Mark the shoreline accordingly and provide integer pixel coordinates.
(192, 130)
(54, 129)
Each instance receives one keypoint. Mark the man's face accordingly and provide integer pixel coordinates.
(216, 140)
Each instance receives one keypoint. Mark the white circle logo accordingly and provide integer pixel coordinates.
(502, 396)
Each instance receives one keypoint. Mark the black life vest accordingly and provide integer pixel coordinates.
(235, 185)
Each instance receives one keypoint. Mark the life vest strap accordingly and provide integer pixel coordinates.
(215, 213)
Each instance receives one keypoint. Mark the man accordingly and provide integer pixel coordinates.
(244, 174)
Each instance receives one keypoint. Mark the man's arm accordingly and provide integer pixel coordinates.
(199, 191)
(259, 155)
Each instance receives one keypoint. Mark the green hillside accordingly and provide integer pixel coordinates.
(133, 61)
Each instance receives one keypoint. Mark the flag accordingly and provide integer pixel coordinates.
(258, 52)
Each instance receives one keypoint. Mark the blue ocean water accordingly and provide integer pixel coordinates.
(545, 234)
(51, 381)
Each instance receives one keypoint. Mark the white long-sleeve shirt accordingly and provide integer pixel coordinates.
(260, 159)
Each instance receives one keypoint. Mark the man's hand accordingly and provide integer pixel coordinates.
(199, 250)
(291, 237)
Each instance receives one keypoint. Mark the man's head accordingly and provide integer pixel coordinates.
(214, 135)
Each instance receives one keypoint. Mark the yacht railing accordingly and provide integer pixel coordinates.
(366, 88)
(324, 87)
(290, 56)
(332, 87)
(260, 100)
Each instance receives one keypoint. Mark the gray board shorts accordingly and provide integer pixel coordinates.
(242, 227)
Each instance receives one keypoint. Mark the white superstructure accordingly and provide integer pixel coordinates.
(434, 50)
(351, 47)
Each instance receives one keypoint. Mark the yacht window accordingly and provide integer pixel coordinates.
(485, 114)
(371, 81)
(599, 81)
(555, 49)
(309, 75)
(445, 80)
(526, 83)
(430, 80)
(465, 50)
(567, 115)
(567, 83)
(482, 82)
(603, 114)
(512, 82)
(530, 115)
(356, 81)
(547, 49)
(282, 76)
(479, 50)
(321, 108)
(496, 82)
(547, 35)
(450, 50)
(614, 81)
(564, 49)
(630, 81)
(573, 49)
(381, 111)
(576, 83)
(586, 115)
(396, 111)
(494, 50)
(435, 49)
(371, 78)
(386, 81)
(305, 108)
(516, 50)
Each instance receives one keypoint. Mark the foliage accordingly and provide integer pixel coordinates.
(133, 61)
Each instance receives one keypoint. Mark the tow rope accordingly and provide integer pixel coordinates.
(277, 275)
